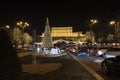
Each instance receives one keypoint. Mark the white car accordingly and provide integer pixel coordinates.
(101, 52)
(112, 52)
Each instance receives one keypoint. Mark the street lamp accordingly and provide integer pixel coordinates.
(7, 26)
(116, 30)
(23, 25)
(8, 30)
(91, 23)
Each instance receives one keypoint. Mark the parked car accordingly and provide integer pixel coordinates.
(111, 65)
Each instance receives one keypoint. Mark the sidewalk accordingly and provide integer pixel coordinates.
(53, 68)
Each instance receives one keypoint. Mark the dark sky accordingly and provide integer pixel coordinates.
(60, 13)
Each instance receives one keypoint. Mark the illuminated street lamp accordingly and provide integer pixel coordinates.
(116, 30)
(112, 22)
(23, 25)
(8, 30)
(91, 23)
(7, 26)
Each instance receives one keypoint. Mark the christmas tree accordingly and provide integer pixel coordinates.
(47, 40)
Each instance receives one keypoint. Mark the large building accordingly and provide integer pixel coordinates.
(66, 33)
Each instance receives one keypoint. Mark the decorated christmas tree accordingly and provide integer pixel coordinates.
(47, 39)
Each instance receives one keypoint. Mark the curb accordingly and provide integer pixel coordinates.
(97, 76)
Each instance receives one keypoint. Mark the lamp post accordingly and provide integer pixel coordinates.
(22, 25)
(91, 23)
(116, 30)
(7, 27)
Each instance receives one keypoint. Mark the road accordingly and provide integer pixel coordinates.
(53, 68)
(95, 64)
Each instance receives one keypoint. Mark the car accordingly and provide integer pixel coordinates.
(82, 52)
(111, 65)
(100, 53)
(112, 52)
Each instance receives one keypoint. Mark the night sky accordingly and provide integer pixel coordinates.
(60, 13)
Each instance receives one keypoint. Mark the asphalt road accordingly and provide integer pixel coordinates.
(95, 64)
(69, 69)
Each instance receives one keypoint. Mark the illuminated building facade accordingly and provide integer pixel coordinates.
(66, 33)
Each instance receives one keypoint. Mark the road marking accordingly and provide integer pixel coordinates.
(98, 60)
(97, 76)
